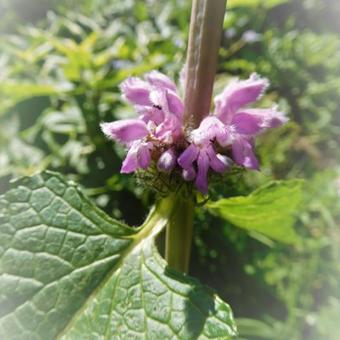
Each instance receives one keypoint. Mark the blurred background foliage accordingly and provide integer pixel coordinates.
(61, 63)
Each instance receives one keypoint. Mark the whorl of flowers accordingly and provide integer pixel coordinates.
(159, 134)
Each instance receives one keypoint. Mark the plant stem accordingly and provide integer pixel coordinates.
(204, 40)
(179, 235)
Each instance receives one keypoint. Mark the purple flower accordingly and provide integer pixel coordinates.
(244, 124)
(159, 134)
(157, 91)
(232, 124)
(159, 122)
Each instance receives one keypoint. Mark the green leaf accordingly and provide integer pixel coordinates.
(255, 3)
(21, 90)
(147, 300)
(67, 268)
(271, 210)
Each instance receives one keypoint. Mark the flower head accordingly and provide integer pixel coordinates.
(158, 135)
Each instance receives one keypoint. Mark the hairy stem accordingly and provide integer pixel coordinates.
(179, 235)
(204, 40)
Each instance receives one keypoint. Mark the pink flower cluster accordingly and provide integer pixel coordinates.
(160, 135)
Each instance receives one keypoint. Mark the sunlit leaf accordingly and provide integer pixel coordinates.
(271, 210)
(67, 268)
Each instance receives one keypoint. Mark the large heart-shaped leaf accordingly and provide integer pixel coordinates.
(67, 268)
(148, 300)
(270, 210)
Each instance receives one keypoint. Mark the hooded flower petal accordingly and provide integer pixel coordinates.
(167, 101)
(150, 113)
(271, 118)
(239, 94)
(255, 121)
(167, 161)
(247, 124)
(209, 129)
(136, 91)
(126, 130)
(188, 156)
(243, 154)
(159, 79)
(175, 103)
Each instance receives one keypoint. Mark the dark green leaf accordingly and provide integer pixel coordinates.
(66, 265)
(148, 300)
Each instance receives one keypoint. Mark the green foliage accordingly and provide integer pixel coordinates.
(269, 210)
(255, 3)
(59, 79)
(66, 267)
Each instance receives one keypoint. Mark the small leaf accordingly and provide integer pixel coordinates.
(271, 210)
(67, 268)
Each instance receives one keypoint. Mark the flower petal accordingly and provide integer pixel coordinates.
(243, 154)
(159, 79)
(189, 174)
(159, 100)
(130, 163)
(271, 118)
(126, 130)
(209, 129)
(174, 103)
(167, 161)
(237, 95)
(150, 113)
(188, 156)
(169, 130)
(168, 101)
(136, 91)
(216, 163)
(144, 155)
(202, 173)
(247, 124)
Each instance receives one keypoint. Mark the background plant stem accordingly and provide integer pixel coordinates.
(204, 40)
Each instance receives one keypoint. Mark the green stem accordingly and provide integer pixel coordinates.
(204, 41)
(179, 235)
